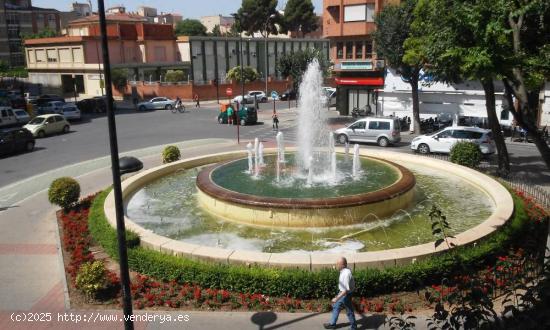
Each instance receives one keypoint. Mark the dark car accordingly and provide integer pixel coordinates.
(15, 140)
(288, 95)
(97, 104)
(44, 99)
(247, 116)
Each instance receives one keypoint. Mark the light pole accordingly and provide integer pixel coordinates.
(266, 59)
(115, 167)
(238, 18)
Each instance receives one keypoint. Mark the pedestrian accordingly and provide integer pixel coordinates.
(197, 101)
(275, 121)
(229, 115)
(346, 286)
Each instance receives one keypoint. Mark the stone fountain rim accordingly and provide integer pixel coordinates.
(501, 197)
(405, 182)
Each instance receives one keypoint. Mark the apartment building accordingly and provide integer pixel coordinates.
(359, 75)
(20, 17)
(75, 59)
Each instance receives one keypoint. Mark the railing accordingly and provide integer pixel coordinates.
(517, 181)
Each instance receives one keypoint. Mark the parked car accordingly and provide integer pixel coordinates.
(70, 112)
(248, 115)
(381, 130)
(44, 99)
(15, 140)
(43, 125)
(96, 104)
(51, 107)
(442, 141)
(22, 116)
(7, 117)
(288, 95)
(18, 103)
(157, 103)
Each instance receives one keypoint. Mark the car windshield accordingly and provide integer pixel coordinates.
(36, 121)
(20, 113)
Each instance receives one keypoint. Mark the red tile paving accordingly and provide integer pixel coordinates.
(28, 249)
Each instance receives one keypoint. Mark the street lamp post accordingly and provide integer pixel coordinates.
(238, 18)
(265, 43)
(115, 167)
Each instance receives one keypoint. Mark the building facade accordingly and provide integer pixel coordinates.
(359, 74)
(73, 63)
(17, 18)
(212, 57)
(224, 22)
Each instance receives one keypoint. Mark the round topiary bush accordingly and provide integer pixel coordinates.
(64, 192)
(91, 278)
(170, 154)
(466, 154)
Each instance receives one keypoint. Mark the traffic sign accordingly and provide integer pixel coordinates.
(229, 91)
(274, 95)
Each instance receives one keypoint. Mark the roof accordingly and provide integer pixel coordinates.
(44, 9)
(54, 40)
(122, 17)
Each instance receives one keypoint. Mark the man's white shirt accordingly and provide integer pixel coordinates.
(346, 281)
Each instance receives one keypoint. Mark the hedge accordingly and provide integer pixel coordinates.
(302, 283)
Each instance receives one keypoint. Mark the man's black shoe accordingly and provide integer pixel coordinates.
(329, 326)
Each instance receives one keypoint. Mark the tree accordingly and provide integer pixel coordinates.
(529, 62)
(119, 77)
(300, 17)
(294, 65)
(174, 76)
(250, 74)
(393, 27)
(233, 31)
(190, 27)
(466, 44)
(254, 14)
(44, 33)
(216, 32)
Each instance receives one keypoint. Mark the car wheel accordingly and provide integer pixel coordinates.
(220, 120)
(142, 108)
(29, 146)
(383, 142)
(243, 122)
(342, 139)
(66, 129)
(264, 100)
(168, 107)
(423, 148)
(41, 134)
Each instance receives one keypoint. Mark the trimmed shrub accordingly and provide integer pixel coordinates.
(64, 192)
(174, 76)
(91, 278)
(170, 154)
(466, 153)
(302, 283)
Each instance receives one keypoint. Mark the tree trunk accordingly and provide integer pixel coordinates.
(525, 116)
(416, 103)
(503, 160)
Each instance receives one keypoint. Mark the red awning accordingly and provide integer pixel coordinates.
(374, 81)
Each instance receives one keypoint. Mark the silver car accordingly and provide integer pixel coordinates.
(443, 141)
(70, 112)
(380, 130)
(157, 103)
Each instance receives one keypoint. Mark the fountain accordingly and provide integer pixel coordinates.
(309, 198)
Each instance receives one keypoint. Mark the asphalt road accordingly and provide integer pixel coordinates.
(88, 139)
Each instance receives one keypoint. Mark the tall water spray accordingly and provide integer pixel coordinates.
(261, 151)
(356, 167)
(250, 160)
(332, 155)
(312, 131)
(280, 147)
(256, 157)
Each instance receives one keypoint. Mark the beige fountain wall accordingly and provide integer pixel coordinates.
(504, 208)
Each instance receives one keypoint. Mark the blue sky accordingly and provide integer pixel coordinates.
(188, 8)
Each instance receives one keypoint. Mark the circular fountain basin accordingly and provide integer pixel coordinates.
(227, 191)
(152, 228)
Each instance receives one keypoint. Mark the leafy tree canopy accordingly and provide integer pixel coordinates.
(254, 14)
(294, 65)
(190, 27)
(300, 16)
(250, 74)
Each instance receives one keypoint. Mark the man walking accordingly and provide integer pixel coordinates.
(197, 101)
(346, 286)
(229, 115)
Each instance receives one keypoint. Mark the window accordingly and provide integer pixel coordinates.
(358, 49)
(15, 46)
(65, 55)
(504, 115)
(78, 56)
(355, 13)
(445, 134)
(13, 33)
(460, 134)
(339, 50)
(51, 20)
(358, 125)
(58, 118)
(359, 13)
(349, 50)
(40, 55)
(52, 55)
(50, 120)
(4, 113)
(368, 49)
(379, 125)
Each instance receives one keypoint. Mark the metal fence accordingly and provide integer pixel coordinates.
(517, 181)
